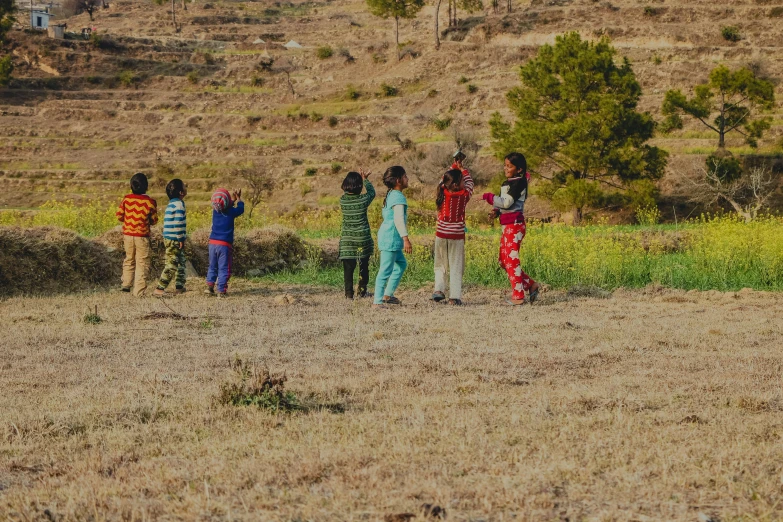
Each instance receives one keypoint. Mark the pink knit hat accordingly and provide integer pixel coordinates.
(221, 200)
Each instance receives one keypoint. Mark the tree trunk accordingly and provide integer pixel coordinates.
(397, 36)
(577, 213)
(174, 14)
(509, 5)
(184, 7)
(437, 36)
(721, 139)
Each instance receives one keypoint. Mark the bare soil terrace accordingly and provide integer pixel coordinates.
(648, 405)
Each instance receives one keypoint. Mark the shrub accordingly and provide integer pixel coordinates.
(92, 317)
(324, 52)
(253, 387)
(127, 78)
(316, 117)
(333, 121)
(311, 171)
(345, 53)
(388, 90)
(776, 12)
(657, 60)
(305, 188)
(352, 93)
(193, 77)
(472, 89)
(6, 68)
(256, 81)
(378, 58)
(296, 161)
(432, 93)
(651, 11)
(462, 80)
(731, 33)
(442, 124)
(336, 167)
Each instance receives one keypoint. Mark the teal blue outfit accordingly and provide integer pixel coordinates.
(393, 263)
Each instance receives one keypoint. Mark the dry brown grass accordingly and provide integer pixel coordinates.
(655, 405)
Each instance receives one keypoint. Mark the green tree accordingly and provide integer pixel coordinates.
(395, 9)
(576, 120)
(7, 10)
(733, 97)
(6, 68)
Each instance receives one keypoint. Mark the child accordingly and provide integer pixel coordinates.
(174, 238)
(221, 240)
(137, 213)
(392, 238)
(510, 206)
(355, 237)
(454, 192)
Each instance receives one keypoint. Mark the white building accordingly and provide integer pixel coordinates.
(39, 18)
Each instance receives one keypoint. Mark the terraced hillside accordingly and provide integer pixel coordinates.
(81, 116)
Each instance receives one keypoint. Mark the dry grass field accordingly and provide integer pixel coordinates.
(646, 405)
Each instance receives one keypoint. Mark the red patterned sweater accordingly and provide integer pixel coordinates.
(451, 216)
(137, 212)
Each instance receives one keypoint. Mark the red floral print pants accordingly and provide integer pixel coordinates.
(510, 241)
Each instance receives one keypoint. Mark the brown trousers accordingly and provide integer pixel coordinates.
(136, 264)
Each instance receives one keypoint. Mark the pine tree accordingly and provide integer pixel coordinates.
(576, 121)
(396, 9)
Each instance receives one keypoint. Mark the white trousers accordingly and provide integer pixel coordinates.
(449, 266)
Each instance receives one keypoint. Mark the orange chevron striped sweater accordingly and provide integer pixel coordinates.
(137, 212)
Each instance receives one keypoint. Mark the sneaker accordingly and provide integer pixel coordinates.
(455, 302)
(438, 296)
(159, 292)
(391, 300)
(210, 290)
(222, 295)
(126, 289)
(180, 290)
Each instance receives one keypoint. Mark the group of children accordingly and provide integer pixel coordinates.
(453, 194)
(138, 212)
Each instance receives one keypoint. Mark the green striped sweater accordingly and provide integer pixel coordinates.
(355, 236)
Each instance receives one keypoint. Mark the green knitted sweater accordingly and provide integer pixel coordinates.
(355, 236)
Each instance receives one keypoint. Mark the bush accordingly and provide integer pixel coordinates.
(727, 169)
(305, 188)
(472, 89)
(462, 80)
(388, 90)
(651, 11)
(776, 12)
(442, 124)
(316, 117)
(345, 53)
(296, 161)
(731, 33)
(432, 93)
(311, 171)
(324, 52)
(352, 93)
(192, 77)
(256, 81)
(657, 60)
(127, 78)
(378, 58)
(253, 387)
(6, 68)
(336, 167)
(333, 121)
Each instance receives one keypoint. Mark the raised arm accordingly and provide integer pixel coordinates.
(370, 195)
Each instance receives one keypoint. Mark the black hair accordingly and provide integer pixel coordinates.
(139, 184)
(390, 179)
(452, 177)
(175, 188)
(353, 183)
(518, 160)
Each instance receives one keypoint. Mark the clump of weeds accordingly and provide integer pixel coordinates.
(252, 386)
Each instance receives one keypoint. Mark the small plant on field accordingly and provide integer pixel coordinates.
(256, 81)
(776, 12)
(731, 33)
(336, 167)
(297, 161)
(472, 89)
(657, 60)
(127, 78)
(388, 90)
(432, 93)
(462, 80)
(333, 121)
(257, 387)
(305, 188)
(324, 52)
(345, 53)
(316, 117)
(311, 171)
(193, 77)
(378, 58)
(442, 123)
(352, 93)
(648, 215)
(651, 11)
(92, 317)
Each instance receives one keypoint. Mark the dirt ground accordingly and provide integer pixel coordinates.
(647, 405)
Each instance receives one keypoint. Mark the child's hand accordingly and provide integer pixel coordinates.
(364, 173)
(406, 245)
(489, 197)
(493, 214)
(239, 195)
(181, 245)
